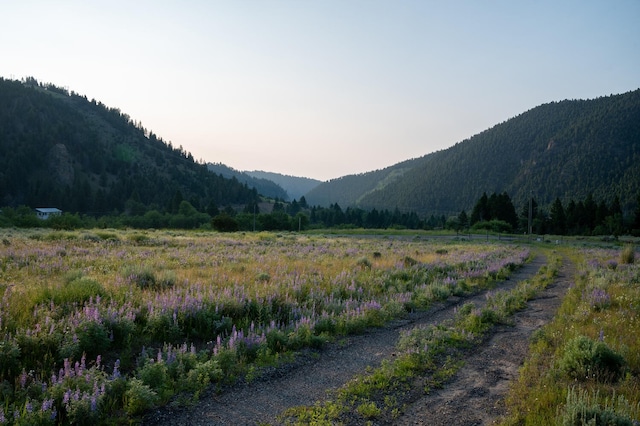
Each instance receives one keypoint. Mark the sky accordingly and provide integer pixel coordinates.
(323, 88)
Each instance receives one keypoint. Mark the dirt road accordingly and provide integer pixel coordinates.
(472, 397)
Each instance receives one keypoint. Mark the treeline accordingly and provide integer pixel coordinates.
(582, 217)
(181, 214)
(495, 213)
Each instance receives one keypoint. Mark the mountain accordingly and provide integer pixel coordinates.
(58, 149)
(349, 190)
(295, 187)
(264, 186)
(563, 150)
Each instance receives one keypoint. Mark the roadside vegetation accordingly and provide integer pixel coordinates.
(99, 326)
(584, 367)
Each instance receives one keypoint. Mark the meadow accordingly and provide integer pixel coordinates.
(99, 326)
(584, 367)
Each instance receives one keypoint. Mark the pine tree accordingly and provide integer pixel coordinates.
(558, 218)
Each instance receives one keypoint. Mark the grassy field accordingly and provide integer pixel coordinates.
(99, 326)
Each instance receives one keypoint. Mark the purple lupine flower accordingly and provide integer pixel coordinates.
(116, 372)
(47, 404)
(23, 379)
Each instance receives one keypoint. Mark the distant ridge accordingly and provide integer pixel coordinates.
(295, 187)
(264, 186)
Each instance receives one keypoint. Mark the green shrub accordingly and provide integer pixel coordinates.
(155, 375)
(9, 359)
(583, 408)
(584, 358)
(139, 397)
(276, 340)
(145, 278)
(107, 236)
(325, 325)
(364, 263)
(409, 261)
(203, 374)
(165, 279)
(78, 291)
(627, 256)
(91, 338)
(139, 238)
(369, 410)
(162, 328)
(263, 277)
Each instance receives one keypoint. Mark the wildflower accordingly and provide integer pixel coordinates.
(23, 379)
(116, 372)
(47, 404)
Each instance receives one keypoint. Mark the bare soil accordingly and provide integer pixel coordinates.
(472, 397)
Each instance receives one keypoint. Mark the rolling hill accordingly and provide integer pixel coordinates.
(563, 150)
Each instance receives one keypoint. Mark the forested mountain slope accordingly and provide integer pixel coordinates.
(264, 186)
(563, 150)
(58, 149)
(348, 190)
(296, 187)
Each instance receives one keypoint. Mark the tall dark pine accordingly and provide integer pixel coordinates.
(480, 211)
(558, 218)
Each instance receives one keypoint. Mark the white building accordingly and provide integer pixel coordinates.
(46, 212)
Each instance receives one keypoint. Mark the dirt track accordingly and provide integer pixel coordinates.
(472, 397)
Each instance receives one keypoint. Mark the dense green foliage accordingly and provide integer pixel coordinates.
(559, 150)
(58, 149)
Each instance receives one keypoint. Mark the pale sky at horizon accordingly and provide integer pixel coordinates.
(323, 89)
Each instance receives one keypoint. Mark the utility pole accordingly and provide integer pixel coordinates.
(530, 215)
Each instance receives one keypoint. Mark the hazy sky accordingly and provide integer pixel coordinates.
(323, 88)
